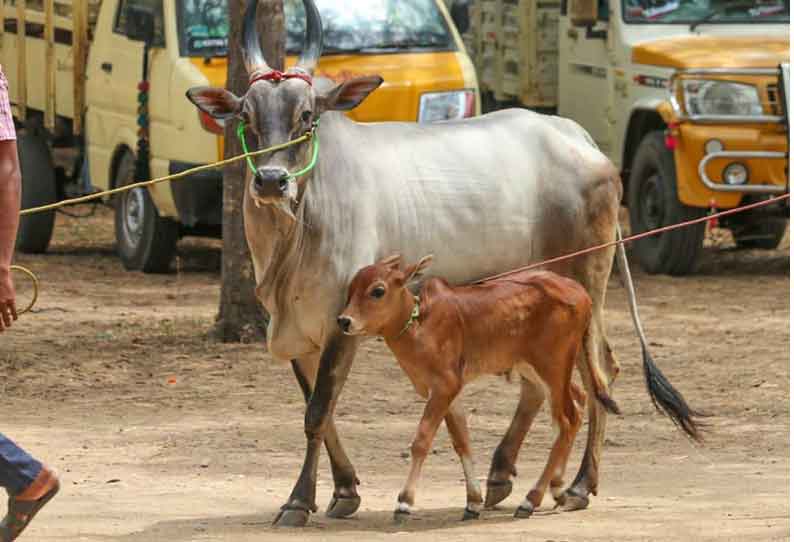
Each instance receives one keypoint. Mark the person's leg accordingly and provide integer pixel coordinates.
(18, 469)
(30, 485)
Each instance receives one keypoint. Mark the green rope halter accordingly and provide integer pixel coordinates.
(413, 318)
(295, 174)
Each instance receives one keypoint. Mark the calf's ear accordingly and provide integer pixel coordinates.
(415, 271)
(348, 94)
(218, 103)
(393, 262)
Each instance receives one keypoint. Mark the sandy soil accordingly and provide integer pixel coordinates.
(162, 435)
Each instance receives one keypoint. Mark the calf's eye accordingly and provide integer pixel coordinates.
(306, 116)
(378, 292)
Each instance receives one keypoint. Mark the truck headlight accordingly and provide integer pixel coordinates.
(704, 97)
(435, 106)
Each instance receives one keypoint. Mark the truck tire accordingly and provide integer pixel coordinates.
(144, 241)
(653, 203)
(38, 188)
(763, 233)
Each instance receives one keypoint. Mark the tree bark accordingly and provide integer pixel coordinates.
(240, 315)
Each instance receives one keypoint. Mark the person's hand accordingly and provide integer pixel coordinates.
(8, 309)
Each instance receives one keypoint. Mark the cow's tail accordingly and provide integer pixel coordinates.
(665, 397)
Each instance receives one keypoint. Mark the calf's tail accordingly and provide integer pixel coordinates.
(665, 397)
(597, 382)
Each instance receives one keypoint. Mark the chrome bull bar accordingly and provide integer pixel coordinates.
(745, 188)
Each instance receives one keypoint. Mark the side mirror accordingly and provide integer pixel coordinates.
(459, 11)
(139, 23)
(583, 13)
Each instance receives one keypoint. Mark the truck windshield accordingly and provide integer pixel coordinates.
(354, 26)
(696, 12)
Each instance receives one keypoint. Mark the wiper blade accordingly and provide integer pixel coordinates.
(707, 17)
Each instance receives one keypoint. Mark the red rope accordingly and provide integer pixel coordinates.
(635, 237)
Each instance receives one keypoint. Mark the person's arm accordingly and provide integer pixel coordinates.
(10, 189)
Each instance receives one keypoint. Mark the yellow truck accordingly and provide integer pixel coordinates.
(74, 68)
(687, 97)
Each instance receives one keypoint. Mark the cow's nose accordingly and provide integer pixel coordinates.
(271, 180)
(344, 323)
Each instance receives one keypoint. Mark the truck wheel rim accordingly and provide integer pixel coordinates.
(652, 203)
(133, 216)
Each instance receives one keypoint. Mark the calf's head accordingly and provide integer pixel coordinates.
(278, 107)
(378, 299)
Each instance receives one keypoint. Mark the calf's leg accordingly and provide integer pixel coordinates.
(435, 411)
(459, 433)
(504, 457)
(345, 500)
(565, 416)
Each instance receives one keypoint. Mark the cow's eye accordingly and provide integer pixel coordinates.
(378, 292)
(306, 116)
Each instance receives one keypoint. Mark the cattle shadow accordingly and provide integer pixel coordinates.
(369, 521)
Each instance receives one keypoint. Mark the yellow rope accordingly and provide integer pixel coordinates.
(175, 176)
(35, 282)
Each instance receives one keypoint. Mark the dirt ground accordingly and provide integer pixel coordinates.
(162, 435)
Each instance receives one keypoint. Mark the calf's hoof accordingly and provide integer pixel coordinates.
(469, 514)
(342, 506)
(498, 490)
(571, 501)
(291, 517)
(525, 510)
(401, 516)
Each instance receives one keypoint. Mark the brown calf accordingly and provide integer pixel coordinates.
(533, 323)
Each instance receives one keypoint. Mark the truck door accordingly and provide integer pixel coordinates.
(114, 71)
(585, 77)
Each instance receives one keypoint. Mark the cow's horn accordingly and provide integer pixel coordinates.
(252, 48)
(313, 43)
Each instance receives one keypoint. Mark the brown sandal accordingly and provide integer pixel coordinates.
(21, 511)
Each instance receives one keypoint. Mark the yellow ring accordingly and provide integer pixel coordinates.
(35, 280)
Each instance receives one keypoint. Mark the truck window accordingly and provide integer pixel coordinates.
(120, 24)
(711, 11)
(356, 26)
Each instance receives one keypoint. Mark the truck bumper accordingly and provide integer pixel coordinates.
(760, 149)
(198, 197)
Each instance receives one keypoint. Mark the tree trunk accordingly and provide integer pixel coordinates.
(240, 316)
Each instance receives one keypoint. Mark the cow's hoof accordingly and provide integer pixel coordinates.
(572, 501)
(342, 506)
(498, 490)
(469, 514)
(524, 511)
(292, 517)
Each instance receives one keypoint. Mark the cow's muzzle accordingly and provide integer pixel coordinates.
(270, 183)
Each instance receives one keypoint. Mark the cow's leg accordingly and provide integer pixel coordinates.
(566, 418)
(459, 433)
(345, 500)
(335, 363)
(592, 271)
(504, 457)
(435, 410)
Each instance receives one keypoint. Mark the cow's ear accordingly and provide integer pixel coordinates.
(392, 262)
(347, 95)
(415, 271)
(218, 103)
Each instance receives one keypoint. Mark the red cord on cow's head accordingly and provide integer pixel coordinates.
(278, 76)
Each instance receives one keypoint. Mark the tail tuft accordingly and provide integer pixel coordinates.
(669, 401)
